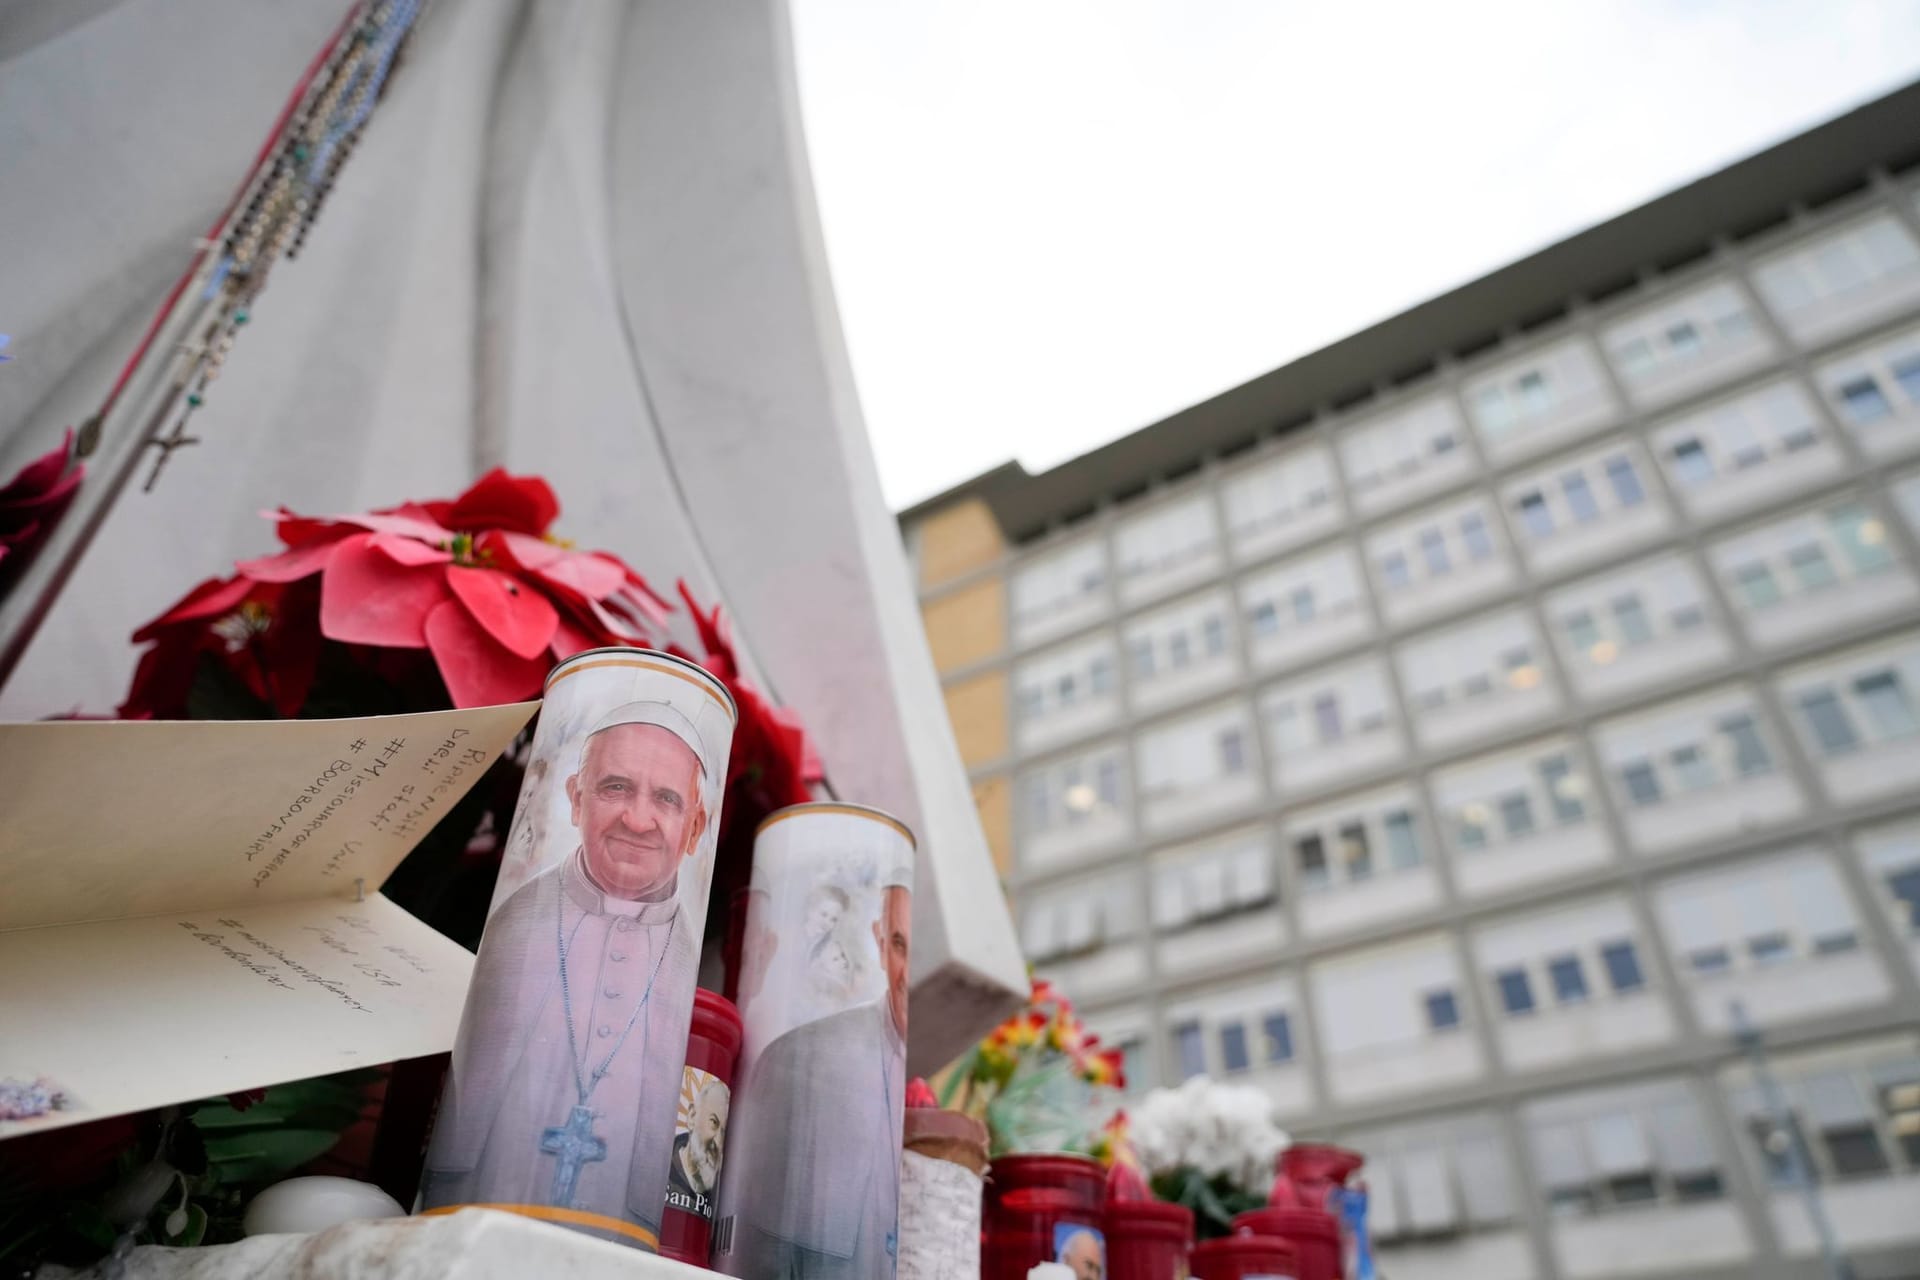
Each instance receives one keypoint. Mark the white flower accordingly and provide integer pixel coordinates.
(1219, 1129)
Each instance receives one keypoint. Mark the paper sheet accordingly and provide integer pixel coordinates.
(180, 915)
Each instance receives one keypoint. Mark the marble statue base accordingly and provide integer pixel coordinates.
(478, 1243)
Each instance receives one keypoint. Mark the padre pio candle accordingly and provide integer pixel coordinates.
(811, 1184)
(700, 1128)
(565, 1083)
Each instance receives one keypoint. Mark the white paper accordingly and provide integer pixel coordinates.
(181, 916)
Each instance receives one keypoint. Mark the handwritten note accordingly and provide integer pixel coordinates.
(107, 820)
(122, 1015)
(192, 909)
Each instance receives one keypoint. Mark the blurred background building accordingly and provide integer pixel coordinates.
(1447, 730)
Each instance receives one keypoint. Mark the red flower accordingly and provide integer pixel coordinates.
(475, 582)
(33, 501)
(246, 1098)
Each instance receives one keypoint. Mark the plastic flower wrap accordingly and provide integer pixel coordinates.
(1126, 1174)
(1209, 1146)
(1038, 1079)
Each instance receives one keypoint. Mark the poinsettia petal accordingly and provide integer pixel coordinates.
(415, 526)
(570, 638)
(211, 598)
(47, 501)
(478, 672)
(594, 577)
(290, 565)
(526, 552)
(510, 611)
(368, 598)
(409, 551)
(622, 631)
(40, 474)
(524, 504)
(297, 530)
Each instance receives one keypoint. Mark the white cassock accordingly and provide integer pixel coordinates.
(812, 1176)
(513, 1078)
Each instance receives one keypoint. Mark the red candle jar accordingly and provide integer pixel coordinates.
(1031, 1225)
(1239, 1257)
(1148, 1240)
(700, 1128)
(1315, 1237)
(1080, 1176)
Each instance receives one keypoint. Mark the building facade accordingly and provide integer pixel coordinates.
(1461, 732)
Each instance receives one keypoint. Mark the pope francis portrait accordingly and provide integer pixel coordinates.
(565, 1078)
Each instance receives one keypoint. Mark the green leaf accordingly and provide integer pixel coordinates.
(87, 1222)
(266, 1155)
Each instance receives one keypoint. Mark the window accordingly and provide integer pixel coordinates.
(1828, 721)
(1690, 463)
(1534, 394)
(1393, 571)
(1179, 649)
(1757, 586)
(1355, 852)
(1100, 675)
(1233, 752)
(1233, 1048)
(1579, 497)
(1642, 787)
(1863, 402)
(1516, 814)
(1563, 789)
(1623, 966)
(1691, 768)
(1904, 886)
(1535, 516)
(1312, 855)
(1907, 373)
(1769, 948)
(1190, 1050)
(1279, 1037)
(1632, 617)
(1625, 481)
(1142, 650)
(1709, 960)
(1326, 717)
(1581, 631)
(1433, 549)
(1516, 993)
(1861, 536)
(1886, 703)
(1749, 753)
(1303, 604)
(1683, 338)
(1443, 1012)
(1265, 618)
(1569, 978)
(1811, 567)
(1403, 849)
(1473, 532)
(1214, 635)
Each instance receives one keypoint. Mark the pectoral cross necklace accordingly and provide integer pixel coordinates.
(574, 1144)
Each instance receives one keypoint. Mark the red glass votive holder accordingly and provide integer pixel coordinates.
(1239, 1257)
(1314, 1235)
(1148, 1240)
(1032, 1225)
(713, 1048)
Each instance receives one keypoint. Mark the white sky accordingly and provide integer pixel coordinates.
(1053, 221)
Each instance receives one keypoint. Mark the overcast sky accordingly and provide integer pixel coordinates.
(1053, 221)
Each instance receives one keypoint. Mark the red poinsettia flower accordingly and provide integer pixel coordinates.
(34, 500)
(476, 582)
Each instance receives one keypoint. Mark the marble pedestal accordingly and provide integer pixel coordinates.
(474, 1244)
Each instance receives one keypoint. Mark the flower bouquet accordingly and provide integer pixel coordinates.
(1211, 1147)
(1038, 1080)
